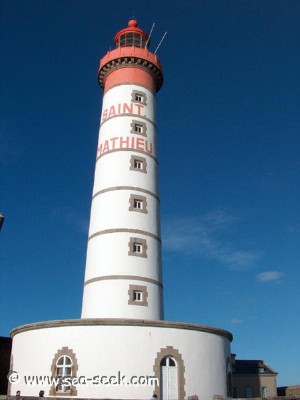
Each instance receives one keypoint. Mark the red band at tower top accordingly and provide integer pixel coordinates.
(131, 61)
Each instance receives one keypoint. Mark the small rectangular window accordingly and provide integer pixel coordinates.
(138, 164)
(137, 247)
(137, 296)
(138, 127)
(137, 96)
(138, 203)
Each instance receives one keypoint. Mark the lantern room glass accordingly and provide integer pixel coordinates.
(132, 39)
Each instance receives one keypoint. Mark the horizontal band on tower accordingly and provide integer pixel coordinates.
(128, 277)
(133, 150)
(130, 83)
(108, 322)
(129, 115)
(124, 230)
(137, 189)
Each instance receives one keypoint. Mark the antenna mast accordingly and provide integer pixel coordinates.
(160, 42)
(150, 35)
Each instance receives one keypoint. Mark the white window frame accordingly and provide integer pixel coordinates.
(169, 378)
(138, 164)
(137, 96)
(137, 247)
(137, 295)
(64, 351)
(62, 372)
(138, 128)
(137, 204)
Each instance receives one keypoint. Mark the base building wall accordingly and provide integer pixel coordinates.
(118, 348)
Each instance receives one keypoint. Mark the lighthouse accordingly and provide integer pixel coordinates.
(121, 347)
(123, 277)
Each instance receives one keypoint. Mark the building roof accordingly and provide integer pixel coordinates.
(252, 367)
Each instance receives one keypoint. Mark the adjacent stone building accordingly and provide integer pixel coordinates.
(291, 391)
(253, 378)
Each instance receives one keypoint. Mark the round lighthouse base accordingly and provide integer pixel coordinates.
(121, 359)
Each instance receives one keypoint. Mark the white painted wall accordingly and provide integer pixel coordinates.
(117, 215)
(116, 263)
(107, 253)
(105, 350)
(122, 94)
(119, 174)
(99, 294)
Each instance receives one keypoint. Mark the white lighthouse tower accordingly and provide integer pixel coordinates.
(121, 332)
(123, 276)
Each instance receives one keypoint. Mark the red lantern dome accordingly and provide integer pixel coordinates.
(131, 36)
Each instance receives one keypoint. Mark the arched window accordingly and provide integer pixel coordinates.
(168, 362)
(168, 379)
(63, 370)
(64, 365)
(169, 369)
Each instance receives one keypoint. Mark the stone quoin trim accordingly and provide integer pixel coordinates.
(134, 198)
(137, 242)
(138, 127)
(64, 351)
(169, 351)
(141, 289)
(127, 149)
(125, 277)
(142, 160)
(124, 230)
(136, 94)
(148, 120)
(129, 188)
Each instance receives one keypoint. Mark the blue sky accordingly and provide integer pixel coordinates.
(229, 143)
